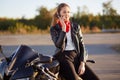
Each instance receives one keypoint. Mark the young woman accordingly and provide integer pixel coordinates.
(70, 49)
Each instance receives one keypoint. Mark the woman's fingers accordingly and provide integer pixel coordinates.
(81, 70)
(62, 23)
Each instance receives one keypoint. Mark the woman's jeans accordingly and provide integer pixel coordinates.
(69, 65)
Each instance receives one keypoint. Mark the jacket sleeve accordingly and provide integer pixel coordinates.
(58, 38)
(83, 53)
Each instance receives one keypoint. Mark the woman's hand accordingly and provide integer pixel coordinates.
(62, 23)
(81, 68)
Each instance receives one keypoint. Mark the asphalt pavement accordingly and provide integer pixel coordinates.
(107, 65)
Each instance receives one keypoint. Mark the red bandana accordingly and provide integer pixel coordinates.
(67, 25)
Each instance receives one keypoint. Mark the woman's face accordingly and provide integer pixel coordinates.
(65, 13)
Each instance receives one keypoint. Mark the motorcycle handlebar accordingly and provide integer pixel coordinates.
(42, 59)
(91, 61)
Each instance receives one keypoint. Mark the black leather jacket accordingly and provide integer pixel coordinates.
(60, 40)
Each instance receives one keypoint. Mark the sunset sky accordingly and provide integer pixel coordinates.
(27, 8)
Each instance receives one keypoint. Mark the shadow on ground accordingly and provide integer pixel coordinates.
(94, 49)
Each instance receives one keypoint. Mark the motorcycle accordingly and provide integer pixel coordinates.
(27, 64)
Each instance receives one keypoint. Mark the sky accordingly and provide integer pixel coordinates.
(28, 8)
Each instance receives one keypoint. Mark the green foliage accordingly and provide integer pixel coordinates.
(22, 28)
(108, 9)
(6, 23)
(102, 22)
(43, 20)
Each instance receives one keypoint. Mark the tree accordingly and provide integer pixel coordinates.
(43, 19)
(108, 9)
(6, 23)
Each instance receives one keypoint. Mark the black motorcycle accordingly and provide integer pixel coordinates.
(27, 64)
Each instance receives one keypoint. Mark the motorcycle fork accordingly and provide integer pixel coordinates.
(34, 75)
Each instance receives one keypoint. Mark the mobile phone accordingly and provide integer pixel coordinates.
(57, 15)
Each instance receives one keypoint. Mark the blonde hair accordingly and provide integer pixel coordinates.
(55, 16)
(54, 19)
